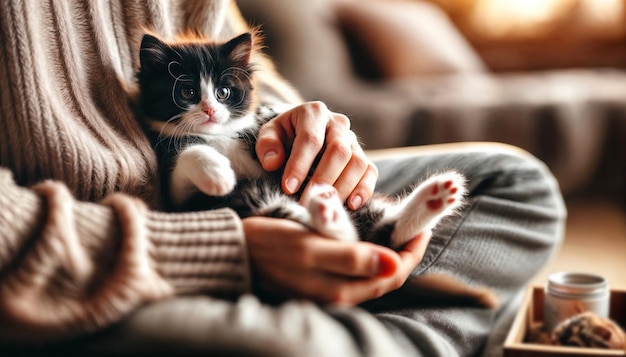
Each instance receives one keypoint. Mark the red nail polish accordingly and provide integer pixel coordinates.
(387, 266)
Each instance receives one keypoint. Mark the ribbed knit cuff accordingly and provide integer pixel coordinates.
(203, 252)
(21, 215)
(200, 251)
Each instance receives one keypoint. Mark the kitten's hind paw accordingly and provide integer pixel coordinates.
(434, 199)
(328, 215)
(443, 193)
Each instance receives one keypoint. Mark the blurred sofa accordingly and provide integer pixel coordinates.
(405, 78)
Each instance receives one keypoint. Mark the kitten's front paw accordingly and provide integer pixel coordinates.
(201, 168)
(328, 216)
(215, 179)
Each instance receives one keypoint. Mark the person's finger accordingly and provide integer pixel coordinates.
(303, 250)
(270, 145)
(310, 133)
(317, 286)
(329, 272)
(340, 291)
(357, 181)
(328, 288)
(361, 290)
(341, 119)
(364, 189)
(334, 160)
(351, 260)
(356, 291)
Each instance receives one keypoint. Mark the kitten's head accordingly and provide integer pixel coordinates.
(195, 86)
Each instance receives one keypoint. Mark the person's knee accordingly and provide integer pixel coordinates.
(521, 178)
(519, 171)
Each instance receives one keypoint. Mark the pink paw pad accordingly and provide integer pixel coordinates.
(327, 213)
(324, 205)
(327, 194)
(444, 194)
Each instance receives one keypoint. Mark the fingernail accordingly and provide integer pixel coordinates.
(356, 201)
(269, 155)
(292, 184)
(386, 265)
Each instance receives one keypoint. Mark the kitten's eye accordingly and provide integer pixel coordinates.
(187, 93)
(222, 93)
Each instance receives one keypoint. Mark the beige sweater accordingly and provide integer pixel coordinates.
(75, 255)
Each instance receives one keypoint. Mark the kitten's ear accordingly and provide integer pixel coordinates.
(239, 49)
(153, 52)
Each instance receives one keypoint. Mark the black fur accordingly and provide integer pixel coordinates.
(162, 67)
(162, 64)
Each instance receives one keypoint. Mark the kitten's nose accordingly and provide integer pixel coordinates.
(208, 109)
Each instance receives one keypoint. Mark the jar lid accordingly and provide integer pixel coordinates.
(577, 284)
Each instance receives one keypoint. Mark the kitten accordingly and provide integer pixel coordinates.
(200, 98)
(198, 103)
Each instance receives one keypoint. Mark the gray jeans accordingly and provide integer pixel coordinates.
(511, 226)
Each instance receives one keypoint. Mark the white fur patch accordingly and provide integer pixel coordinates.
(201, 167)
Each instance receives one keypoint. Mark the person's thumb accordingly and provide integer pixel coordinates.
(269, 147)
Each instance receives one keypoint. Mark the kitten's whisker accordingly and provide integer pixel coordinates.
(161, 138)
(171, 72)
(165, 126)
(241, 84)
(179, 78)
(236, 78)
(187, 132)
(169, 121)
(235, 69)
(177, 139)
(243, 95)
(174, 96)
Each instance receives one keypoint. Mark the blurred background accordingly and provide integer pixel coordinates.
(545, 75)
(548, 76)
(542, 34)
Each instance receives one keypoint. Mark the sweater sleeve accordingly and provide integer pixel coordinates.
(70, 267)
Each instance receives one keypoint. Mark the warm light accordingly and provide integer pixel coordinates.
(499, 18)
(534, 18)
(602, 13)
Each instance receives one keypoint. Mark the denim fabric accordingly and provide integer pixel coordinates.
(511, 225)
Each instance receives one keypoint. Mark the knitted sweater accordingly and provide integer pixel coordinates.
(81, 241)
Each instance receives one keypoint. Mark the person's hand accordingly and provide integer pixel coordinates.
(298, 135)
(296, 262)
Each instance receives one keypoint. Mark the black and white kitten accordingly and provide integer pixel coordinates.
(198, 102)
